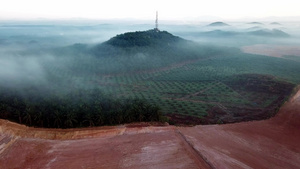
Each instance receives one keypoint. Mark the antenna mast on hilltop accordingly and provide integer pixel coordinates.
(156, 21)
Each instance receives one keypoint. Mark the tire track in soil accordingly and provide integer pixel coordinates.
(6, 142)
(199, 159)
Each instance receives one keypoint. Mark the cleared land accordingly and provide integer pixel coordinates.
(272, 50)
(272, 143)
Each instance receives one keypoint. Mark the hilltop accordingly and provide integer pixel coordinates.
(255, 23)
(129, 43)
(218, 24)
(275, 23)
(143, 38)
(147, 42)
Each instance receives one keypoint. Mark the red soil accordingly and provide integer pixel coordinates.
(103, 147)
(272, 143)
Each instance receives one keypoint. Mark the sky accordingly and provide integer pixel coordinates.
(145, 9)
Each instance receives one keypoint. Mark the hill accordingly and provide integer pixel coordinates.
(219, 33)
(144, 50)
(143, 38)
(127, 44)
(275, 23)
(146, 42)
(218, 24)
(253, 31)
(255, 23)
(269, 33)
(254, 28)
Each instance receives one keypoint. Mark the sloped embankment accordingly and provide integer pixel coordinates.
(272, 143)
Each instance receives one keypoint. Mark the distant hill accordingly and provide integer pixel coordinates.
(219, 33)
(255, 23)
(218, 24)
(275, 23)
(254, 31)
(254, 28)
(269, 33)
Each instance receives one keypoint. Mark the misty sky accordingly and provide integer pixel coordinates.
(145, 9)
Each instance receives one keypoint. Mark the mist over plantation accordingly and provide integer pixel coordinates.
(125, 95)
(65, 76)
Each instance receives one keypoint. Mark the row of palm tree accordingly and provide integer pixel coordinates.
(77, 109)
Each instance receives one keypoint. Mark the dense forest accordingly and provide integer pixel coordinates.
(77, 109)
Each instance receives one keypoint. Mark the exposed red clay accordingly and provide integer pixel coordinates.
(272, 143)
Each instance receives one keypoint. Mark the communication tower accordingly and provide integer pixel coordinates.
(156, 22)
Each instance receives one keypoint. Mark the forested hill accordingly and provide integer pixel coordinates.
(147, 50)
(151, 37)
(137, 51)
(154, 43)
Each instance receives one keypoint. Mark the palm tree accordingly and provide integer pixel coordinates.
(57, 119)
(38, 118)
(99, 117)
(28, 116)
(119, 116)
(71, 118)
(138, 109)
(89, 118)
(152, 112)
(19, 115)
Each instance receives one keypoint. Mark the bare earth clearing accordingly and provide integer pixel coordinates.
(272, 50)
(272, 143)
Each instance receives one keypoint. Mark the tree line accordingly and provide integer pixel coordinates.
(77, 109)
